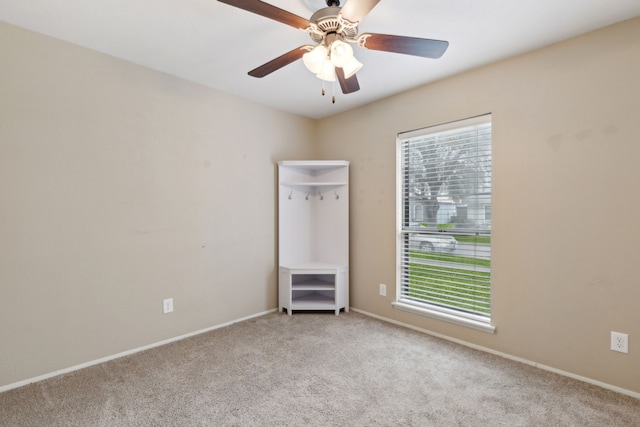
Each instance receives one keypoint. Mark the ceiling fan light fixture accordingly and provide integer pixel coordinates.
(314, 59)
(351, 67)
(341, 53)
(333, 28)
(327, 71)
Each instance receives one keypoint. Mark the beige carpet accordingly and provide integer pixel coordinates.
(314, 369)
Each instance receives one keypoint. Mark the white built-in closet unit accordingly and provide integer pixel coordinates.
(313, 235)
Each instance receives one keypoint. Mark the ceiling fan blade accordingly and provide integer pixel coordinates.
(280, 61)
(415, 46)
(355, 10)
(265, 9)
(349, 85)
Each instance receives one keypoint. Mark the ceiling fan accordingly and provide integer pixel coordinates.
(334, 29)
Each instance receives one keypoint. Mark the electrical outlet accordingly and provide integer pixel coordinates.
(167, 305)
(383, 290)
(619, 342)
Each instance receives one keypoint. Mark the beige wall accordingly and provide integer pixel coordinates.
(120, 187)
(566, 210)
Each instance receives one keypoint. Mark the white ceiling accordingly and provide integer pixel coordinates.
(215, 44)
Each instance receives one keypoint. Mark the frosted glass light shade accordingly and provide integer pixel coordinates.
(341, 53)
(351, 67)
(313, 59)
(327, 71)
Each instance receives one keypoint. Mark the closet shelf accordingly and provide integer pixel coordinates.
(313, 302)
(313, 285)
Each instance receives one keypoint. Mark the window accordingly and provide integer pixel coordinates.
(444, 255)
(487, 212)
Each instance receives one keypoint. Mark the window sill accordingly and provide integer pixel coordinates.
(446, 317)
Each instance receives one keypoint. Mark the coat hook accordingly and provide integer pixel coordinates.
(321, 196)
(337, 196)
(290, 194)
(307, 196)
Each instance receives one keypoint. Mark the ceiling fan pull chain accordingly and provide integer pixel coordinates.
(333, 92)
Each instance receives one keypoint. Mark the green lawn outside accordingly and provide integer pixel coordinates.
(466, 290)
(462, 239)
(473, 239)
(451, 258)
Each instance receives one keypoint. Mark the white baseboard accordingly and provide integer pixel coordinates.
(126, 353)
(505, 355)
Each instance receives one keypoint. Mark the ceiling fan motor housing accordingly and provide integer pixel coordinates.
(329, 21)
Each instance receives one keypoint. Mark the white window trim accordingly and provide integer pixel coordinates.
(441, 313)
(424, 309)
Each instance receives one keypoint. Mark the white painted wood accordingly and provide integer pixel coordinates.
(313, 236)
(314, 287)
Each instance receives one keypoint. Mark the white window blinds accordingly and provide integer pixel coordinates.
(445, 218)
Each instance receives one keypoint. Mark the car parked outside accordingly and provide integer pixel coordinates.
(433, 242)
